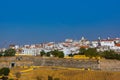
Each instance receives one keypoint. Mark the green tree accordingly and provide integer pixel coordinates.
(10, 52)
(42, 53)
(82, 51)
(48, 54)
(57, 53)
(71, 55)
(110, 55)
(91, 52)
(61, 54)
(4, 71)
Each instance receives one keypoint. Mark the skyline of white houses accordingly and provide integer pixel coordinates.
(70, 46)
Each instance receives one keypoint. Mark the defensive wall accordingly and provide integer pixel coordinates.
(109, 65)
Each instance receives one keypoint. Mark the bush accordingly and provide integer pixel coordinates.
(110, 55)
(18, 75)
(4, 71)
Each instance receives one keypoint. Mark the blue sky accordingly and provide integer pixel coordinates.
(36, 21)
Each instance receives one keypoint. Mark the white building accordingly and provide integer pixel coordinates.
(109, 43)
(116, 47)
(66, 51)
(95, 44)
(31, 51)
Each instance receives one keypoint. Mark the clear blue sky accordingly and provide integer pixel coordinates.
(35, 21)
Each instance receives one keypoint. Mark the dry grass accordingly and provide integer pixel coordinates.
(65, 74)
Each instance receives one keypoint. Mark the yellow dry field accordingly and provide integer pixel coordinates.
(64, 74)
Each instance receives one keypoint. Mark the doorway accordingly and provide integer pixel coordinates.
(12, 64)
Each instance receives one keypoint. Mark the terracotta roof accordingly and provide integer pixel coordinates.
(84, 46)
(107, 40)
(118, 45)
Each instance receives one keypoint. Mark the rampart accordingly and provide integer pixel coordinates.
(111, 65)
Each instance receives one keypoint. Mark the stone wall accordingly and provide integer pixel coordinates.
(4, 64)
(8, 61)
(38, 61)
(93, 64)
(111, 65)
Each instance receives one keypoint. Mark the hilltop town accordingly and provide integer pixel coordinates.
(69, 46)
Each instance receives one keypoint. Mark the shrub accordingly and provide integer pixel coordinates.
(4, 71)
(18, 75)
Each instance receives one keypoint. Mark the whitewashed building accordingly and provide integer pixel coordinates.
(31, 51)
(109, 43)
(95, 44)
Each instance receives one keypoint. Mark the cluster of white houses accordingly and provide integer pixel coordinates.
(70, 46)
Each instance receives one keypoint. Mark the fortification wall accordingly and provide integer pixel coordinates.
(109, 65)
(38, 61)
(93, 64)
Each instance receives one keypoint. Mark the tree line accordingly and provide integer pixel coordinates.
(92, 52)
(55, 53)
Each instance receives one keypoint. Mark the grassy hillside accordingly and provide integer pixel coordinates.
(63, 74)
